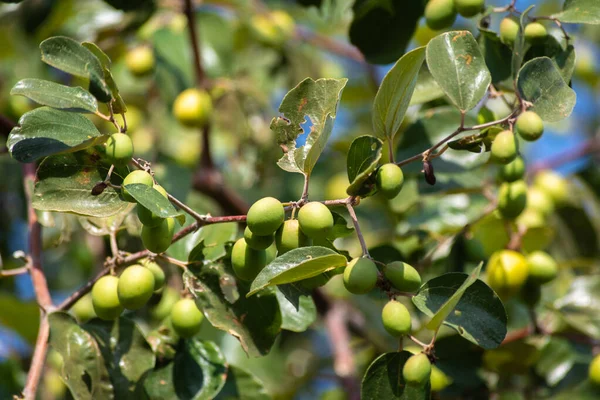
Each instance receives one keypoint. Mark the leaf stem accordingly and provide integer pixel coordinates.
(363, 244)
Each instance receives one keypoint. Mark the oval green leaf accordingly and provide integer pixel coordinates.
(296, 319)
(118, 104)
(56, 96)
(580, 12)
(361, 161)
(154, 201)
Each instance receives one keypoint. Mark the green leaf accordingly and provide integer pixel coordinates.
(541, 83)
(426, 89)
(254, 321)
(317, 101)
(564, 58)
(456, 63)
(295, 265)
(520, 47)
(580, 12)
(395, 93)
(154, 201)
(65, 184)
(242, 385)
(23, 317)
(362, 160)
(118, 104)
(496, 55)
(556, 360)
(296, 319)
(579, 306)
(45, 131)
(56, 96)
(383, 29)
(383, 380)
(70, 56)
(479, 316)
(211, 240)
(340, 227)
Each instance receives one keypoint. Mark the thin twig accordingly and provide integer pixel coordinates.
(37, 360)
(14, 271)
(188, 10)
(363, 244)
(304, 196)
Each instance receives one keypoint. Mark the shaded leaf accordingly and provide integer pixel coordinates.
(118, 104)
(564, 58)
(242, 385)
(580, 12)
(362, 160)
(521, 45)
(496, 55)
(340, 227)
(296, 319)
(55, 95)
(426, 89)
(211, 240)
(383, 380)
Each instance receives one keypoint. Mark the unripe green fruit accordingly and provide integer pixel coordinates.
(147, 217)
(140, 61)
(402, 276)
(542, 267)
(512, 171)
(531, 218)
(186, 319)
(396, 319)
(157, 239)
(315, 219)
(136, 285)
(105, 298)
(512, 199)
(507, 271)
(535, 33)
(157, 272)
(167, 300)
(246, 261)
(360, 276)
(289, 237)
(83, 310)
(265, 216)
(271, 253)
(137, 176)
(509, 29)
(390, 180)
(439, 380)
(504, 147)
(594, 371)
(257, 242)
(553, 185)
(417, 370)
(119, 148)
(440, 14)
(469, 8)
(530, 126)
(193, 108)
(539, 201)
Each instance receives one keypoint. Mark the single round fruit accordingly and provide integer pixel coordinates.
(257, 242)
(186, 319)
(246, 261)
(162, 309)
(530, 126)
(137, 176)
(157, 271)
(105, 298)
(504, 147)
(507, 271)
(119, 148)
(402, 276)
(289, 237)
(157, 239)
(535, 33)
(360, 276)
(594, 371)
(417, 370)
(136, 285)
(469, 8)
(542, 267)
(512, 199)
(396, 319)
(315, 219)
(271, 253)
(531, 218)
(554, 185)
(83, 309)
(512, 171)
(140, 61)
(147, 217)
(440, 14)
(193, 107)
(509, 29)
(390, 180)
(265, 216)
(539, 201)
(439, 380)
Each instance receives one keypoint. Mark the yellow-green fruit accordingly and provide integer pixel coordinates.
(137, 176)
(140, 61)
(271, 253)
(246, 261)
(554, 185)
(119, 148)
(530, 126)
(402, 276)
(273, 28)
(186, 319)
(315, 219)
(439, 380)
(157, 271)
(167, 300)
(512, 171)
(289, 237)
(509, 29)
(469, 8)
(531, 218)
(136, 285)
(257, 242)
(417, 370)
(83, 310)
(396, 319)
(504, 147)
(157, 239)
(542, 267)
(284, 23)
(440, 14)
(390, 180)
(360, 276)
(535, 33)
(507, 271)
(539, 201)
(265, 216)
(105, 298)
(594, 371)
(512, 199)
(147, 217)
(193, 107)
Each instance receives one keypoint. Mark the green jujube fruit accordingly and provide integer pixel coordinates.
(529, 126)
(535, 33)
(105, 298)
(186, 318)
(512, 199)
(440, 14)
(504, 147)
(257, 242)
(147, 217)
(315, 219)
(417, 370)
(512, 171)
(157, 239)
(265, 216)
(137, 176)
(542, 267)
(396, 319)
(246, 261)
(193, 107)
(469, 8)
(289, 236)
(402, 276)
(83, 309)
(157, 271)
(509, 29)
(119, 148)
(390, 180)
(135, 287)
(360, 276)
